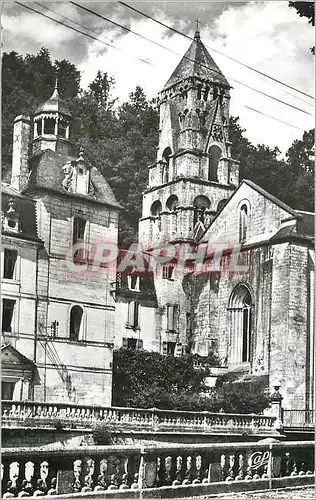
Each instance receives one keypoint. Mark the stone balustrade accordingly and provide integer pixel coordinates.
(299, 418)
(37, 471)
(134, 418)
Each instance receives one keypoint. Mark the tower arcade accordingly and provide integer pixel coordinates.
(194, 173)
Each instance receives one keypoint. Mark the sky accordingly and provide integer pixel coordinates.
(266, 35)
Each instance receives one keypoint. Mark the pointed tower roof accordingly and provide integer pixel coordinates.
(54, 104)
(197, 62)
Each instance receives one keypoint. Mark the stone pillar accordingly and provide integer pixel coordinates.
(21, 137)
(276, 407)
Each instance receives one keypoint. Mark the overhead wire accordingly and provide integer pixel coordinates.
(214, 50)
(273, 117)
(189, 59)
(112, 46)
(80, 32)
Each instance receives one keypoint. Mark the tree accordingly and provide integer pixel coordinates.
(299, 189)
(149, 379)
(290, 180)
(145, 379)
(26, 83)
(305, 9)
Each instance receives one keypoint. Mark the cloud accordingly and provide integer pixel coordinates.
(266, 35)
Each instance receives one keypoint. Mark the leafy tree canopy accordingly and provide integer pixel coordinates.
(305, 9)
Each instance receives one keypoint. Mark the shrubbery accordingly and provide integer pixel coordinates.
(148, 379)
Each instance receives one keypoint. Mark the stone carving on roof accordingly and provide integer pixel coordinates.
(67, 182)
(217, 133)
(11, 219)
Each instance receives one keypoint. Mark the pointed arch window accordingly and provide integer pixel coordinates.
(241, 306)
(76, 316)
(215, 153)
(243, 222)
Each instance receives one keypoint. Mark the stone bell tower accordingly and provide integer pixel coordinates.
(194, 174)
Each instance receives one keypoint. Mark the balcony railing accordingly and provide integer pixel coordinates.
(108, 468)
(20, 412)
(299, 418)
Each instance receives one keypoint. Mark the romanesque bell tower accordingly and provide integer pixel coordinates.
(194, 174)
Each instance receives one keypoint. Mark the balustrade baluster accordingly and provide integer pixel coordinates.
(29, 475)
(231, 465)
(77, 469)
(188, 477)
(161, 471)
(197, 470)
(241, 462)
(224, 467)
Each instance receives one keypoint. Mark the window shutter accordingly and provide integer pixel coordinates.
(139, 344)
(136, 314)
(170, 310)
(125, 343)
(131, 309)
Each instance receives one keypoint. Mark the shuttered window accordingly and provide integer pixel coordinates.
(172, 318)
(133, 315)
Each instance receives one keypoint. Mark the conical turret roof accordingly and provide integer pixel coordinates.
(55, 104)
(199, 63)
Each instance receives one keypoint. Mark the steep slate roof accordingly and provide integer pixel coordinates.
(197, 62)
(46, 173)
(25, 208)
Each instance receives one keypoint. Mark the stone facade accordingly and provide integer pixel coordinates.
(258, 320)
(60, 320)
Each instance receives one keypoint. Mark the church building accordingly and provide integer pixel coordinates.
(260, 321)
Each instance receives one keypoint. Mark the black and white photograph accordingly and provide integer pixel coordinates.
(157, 256)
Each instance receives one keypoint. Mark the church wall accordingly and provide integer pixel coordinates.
(265, 217)
(289, 323)
(212, 318)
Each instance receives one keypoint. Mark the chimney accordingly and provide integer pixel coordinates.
(21, 138)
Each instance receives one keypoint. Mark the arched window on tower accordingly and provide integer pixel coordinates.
(206, 92)
(240, 306)
(215, 153)
(243, 223)
(201, 203)
(166, 158)
(172, 202)
(156, 208)
(76, 314)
